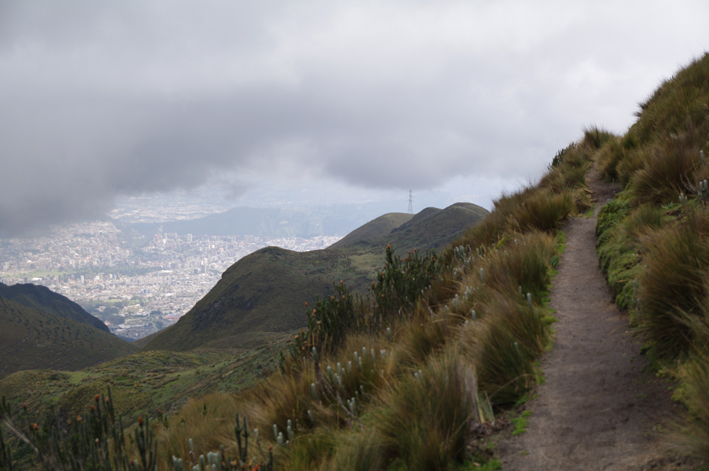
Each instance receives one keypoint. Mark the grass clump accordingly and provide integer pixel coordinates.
(653, 238)
(424, 419)
(673, 283)
(520, 423)
(505, 344)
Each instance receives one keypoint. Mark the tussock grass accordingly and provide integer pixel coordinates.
(647, 234)
(673, 283)
(544, 211)
(672, 169)
(505, 343)
(524, 261)
(633, 162)
(423, 420)
(608, 158)
(594, 137)
(208, 421)
(693, 436)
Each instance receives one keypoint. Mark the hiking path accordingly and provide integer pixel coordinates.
(600, 408)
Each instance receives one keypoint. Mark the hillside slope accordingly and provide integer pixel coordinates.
(43, 299)
(265, 291)
(31, 339)
(378, 227)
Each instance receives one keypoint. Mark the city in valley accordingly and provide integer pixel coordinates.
(136, 284)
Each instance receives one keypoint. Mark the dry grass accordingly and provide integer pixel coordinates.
(544, 210)
(673, 168)
(208, 421)
(423, 419)
(693, 436)
(672, 283)
(416, 391)
(504, 345)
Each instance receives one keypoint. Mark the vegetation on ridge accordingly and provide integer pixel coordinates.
(654, 236)
(43, 299)
(34, 339)
(264, 291)
(420, 390)
(415, 378)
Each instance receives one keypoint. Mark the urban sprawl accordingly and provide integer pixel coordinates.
(136, 284)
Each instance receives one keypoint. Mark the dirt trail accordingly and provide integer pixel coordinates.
(599, 409)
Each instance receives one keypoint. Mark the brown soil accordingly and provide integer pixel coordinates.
(599, 409)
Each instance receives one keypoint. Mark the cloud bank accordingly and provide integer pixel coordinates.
(101, 99)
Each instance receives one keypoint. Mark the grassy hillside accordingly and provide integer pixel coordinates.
(142, 382)
(43, 299)
(418, 371)
(402, 383)
(265, 291)
(378, 227)
(31, 339)
(654, 236)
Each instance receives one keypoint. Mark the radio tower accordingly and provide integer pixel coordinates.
(411, 202)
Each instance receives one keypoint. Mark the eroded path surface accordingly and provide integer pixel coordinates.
(599, 409)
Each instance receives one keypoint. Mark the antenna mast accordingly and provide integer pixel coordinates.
(411, 202)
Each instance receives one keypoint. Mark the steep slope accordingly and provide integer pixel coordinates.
(265, 291)
(31, 339)
(378, 227)
(43, 299)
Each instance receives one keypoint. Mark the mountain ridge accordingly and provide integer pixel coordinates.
(33, 339)
(265, 291)
(43, 299)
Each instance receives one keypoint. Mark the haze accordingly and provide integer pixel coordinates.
(313, 101)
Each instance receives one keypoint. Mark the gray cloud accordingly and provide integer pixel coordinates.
(100, 99)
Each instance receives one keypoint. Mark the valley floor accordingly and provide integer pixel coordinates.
(600, 408)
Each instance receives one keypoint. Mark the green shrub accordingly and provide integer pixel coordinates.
(329, 322)
(400, 285)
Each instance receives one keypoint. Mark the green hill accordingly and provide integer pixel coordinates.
(265, 291)
(43, 299)
(378, 227)
(31, 339)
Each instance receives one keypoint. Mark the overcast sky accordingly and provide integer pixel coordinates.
(100, 100)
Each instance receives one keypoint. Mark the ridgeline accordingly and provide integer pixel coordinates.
(265, 292)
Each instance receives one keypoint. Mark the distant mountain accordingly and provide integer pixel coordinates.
(271, 222)
(265, 291)
(46, 300)
(32, 339)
